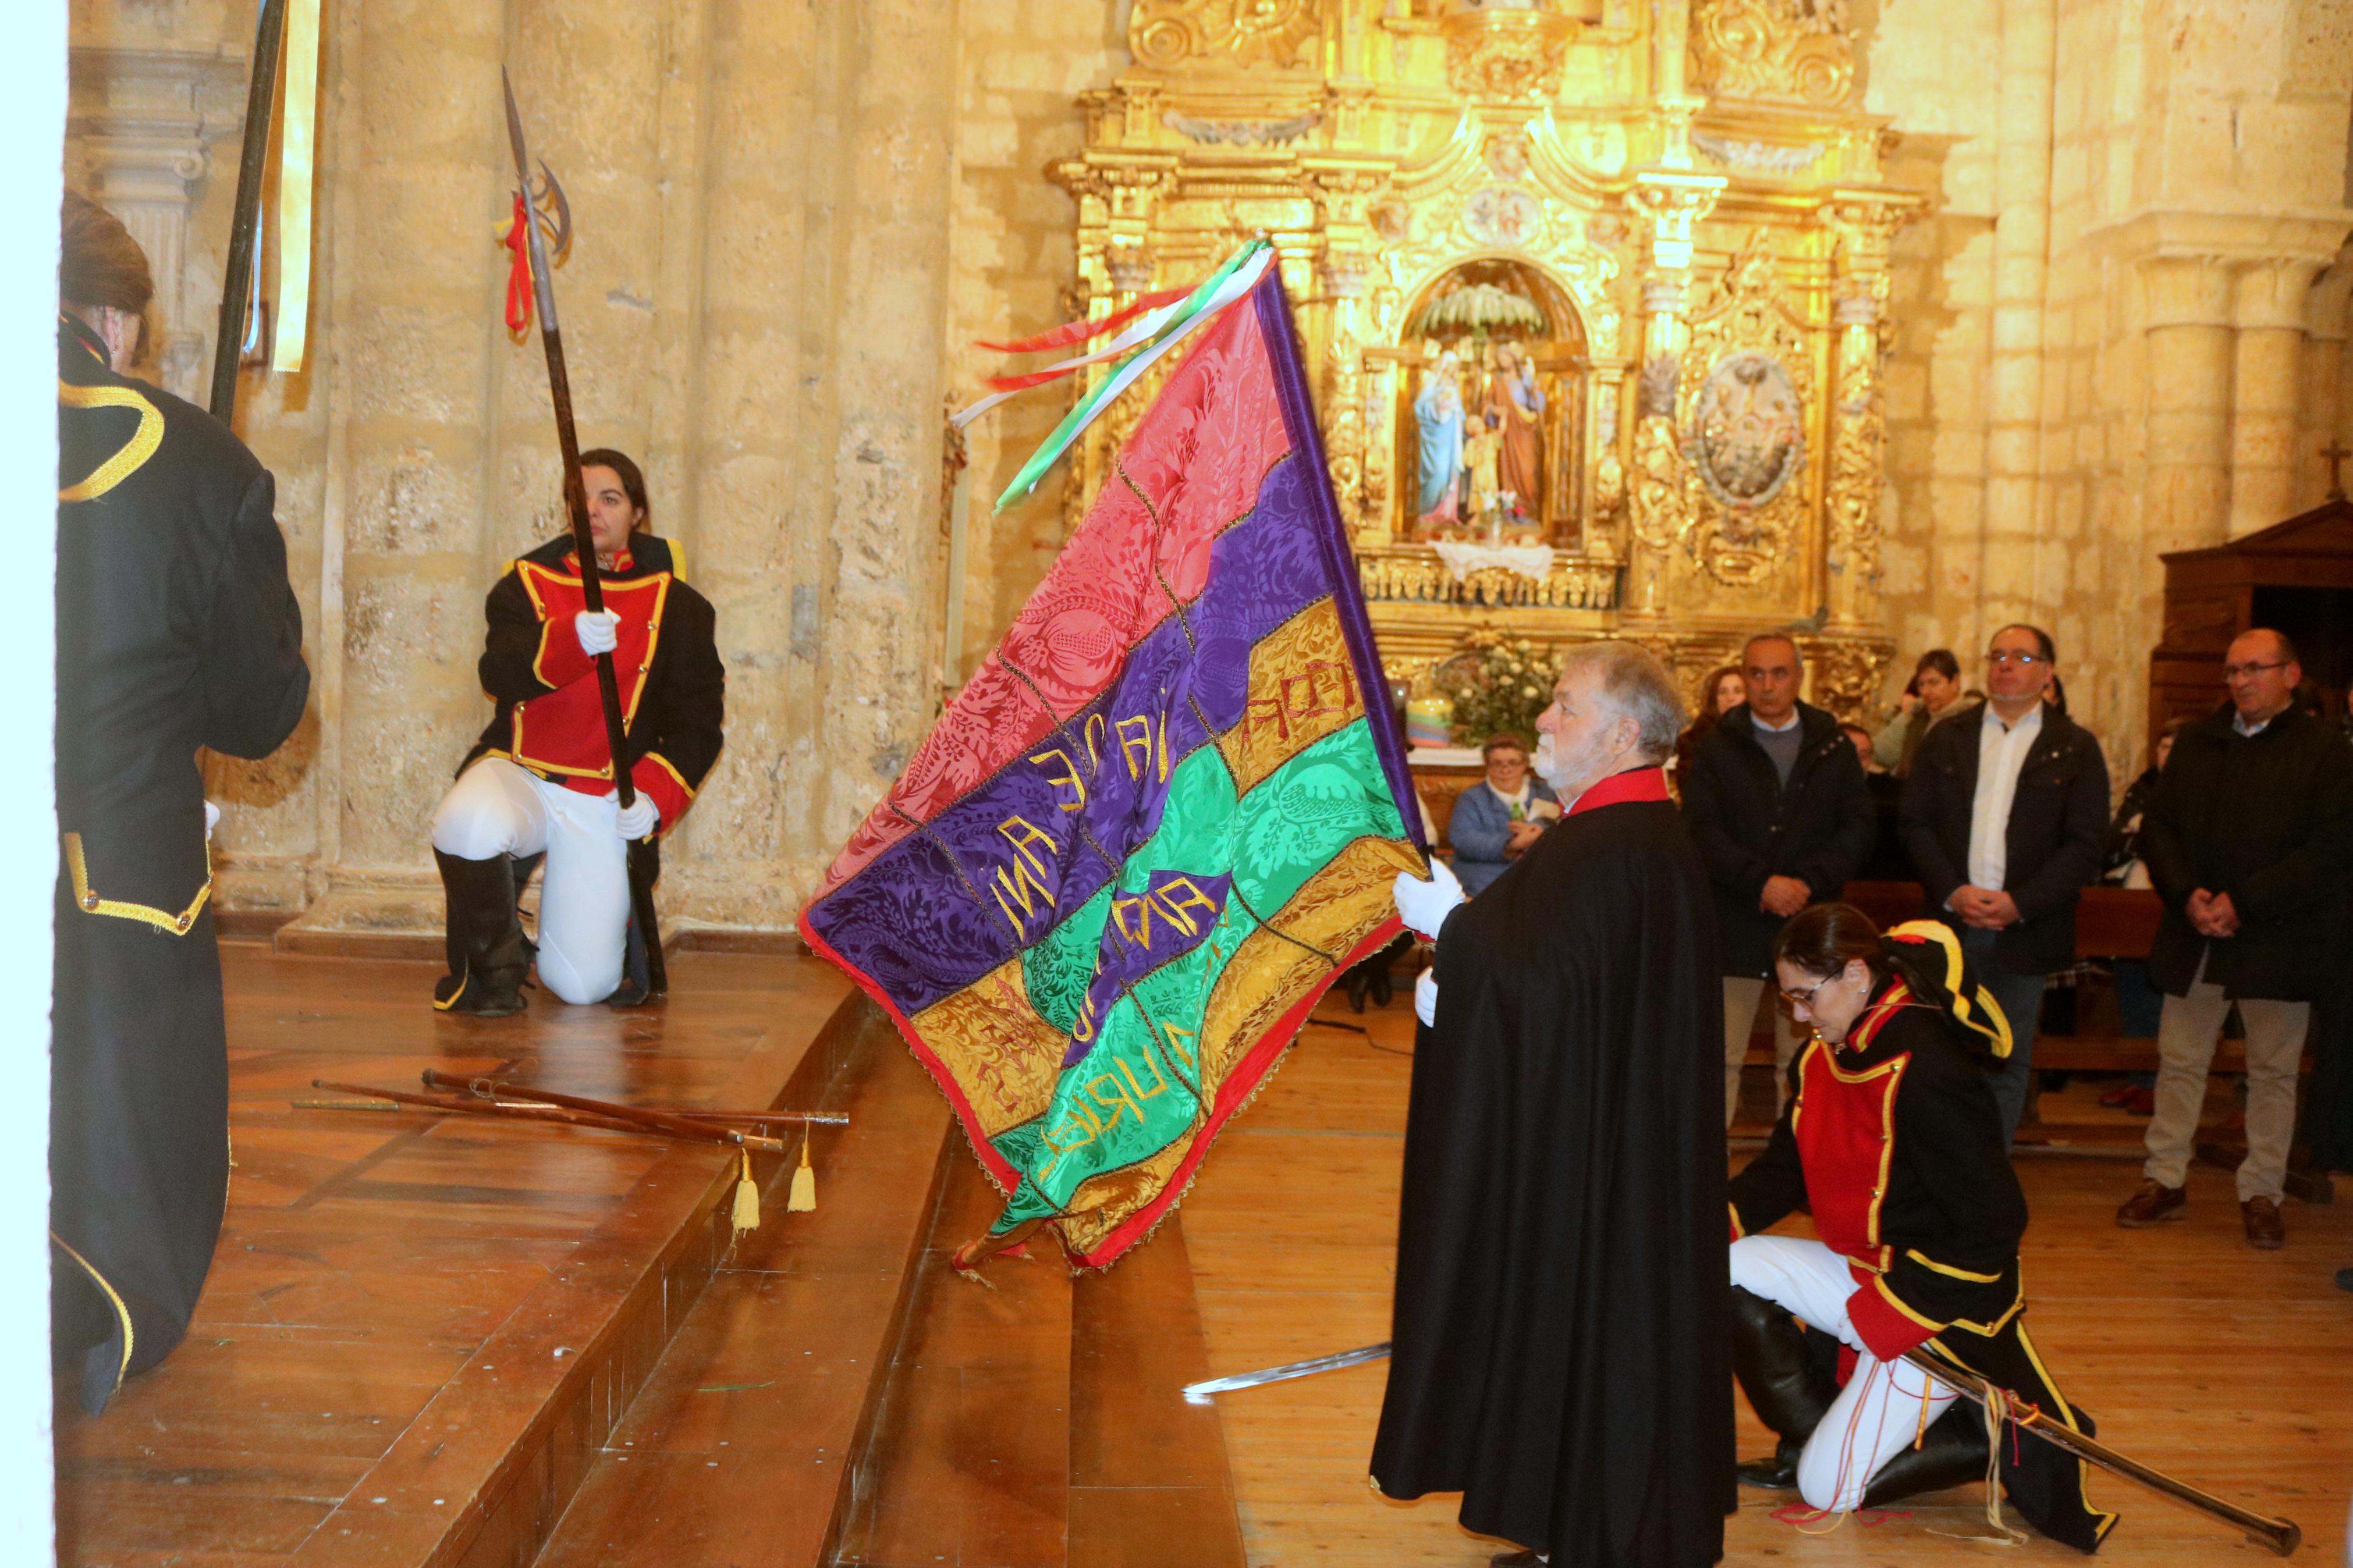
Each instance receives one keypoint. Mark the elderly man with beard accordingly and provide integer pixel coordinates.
(1561, 1285)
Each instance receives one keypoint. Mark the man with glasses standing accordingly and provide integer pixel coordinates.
(2247, 841)
(1777, 802)
(2005, 816)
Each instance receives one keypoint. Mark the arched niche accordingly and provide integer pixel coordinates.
(1472, 319)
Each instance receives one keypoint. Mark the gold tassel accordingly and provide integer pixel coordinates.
(747, 1198)
(804, 1194)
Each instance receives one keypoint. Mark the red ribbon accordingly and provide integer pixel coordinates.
(1080, 332)
(518, 241)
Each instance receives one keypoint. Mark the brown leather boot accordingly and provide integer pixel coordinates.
(2151, 1204)
(2261, 1219)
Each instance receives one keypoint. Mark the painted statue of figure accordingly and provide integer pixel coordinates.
(1513, 408)
(1438, 414)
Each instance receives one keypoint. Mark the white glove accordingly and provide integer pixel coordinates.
(1425, 904)
(639, 817)
(598, 631)
(1425, 996)
(212, 820)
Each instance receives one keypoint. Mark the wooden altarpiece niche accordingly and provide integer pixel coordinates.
(1662, 224)
(2294, 576)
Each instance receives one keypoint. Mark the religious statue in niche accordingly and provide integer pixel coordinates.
(1748, 432)
(1488, 399)
(1515, 410)
(1438, 418)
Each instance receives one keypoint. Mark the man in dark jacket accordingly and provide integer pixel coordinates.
(1777, 806)
(2005, 816)
(2247, 842)
(176, 630)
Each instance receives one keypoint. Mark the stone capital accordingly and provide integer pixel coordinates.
(2273, 294)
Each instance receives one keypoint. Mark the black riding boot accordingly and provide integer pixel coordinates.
(1952, 1454)
(485, 945)
(1782, 1381)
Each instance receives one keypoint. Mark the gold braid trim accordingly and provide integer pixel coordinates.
(121, 910)
(134, 453)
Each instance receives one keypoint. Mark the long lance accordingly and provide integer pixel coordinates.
(2280, 1535)
(228, 340)
(583, 543)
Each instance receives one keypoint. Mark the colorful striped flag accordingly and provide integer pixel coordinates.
(1157, 822)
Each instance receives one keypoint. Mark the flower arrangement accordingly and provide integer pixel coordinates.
(1498, 689)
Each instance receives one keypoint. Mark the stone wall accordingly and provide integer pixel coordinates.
(2120, 329)
(753, 308)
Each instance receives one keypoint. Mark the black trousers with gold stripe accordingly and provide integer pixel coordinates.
(2044, 1484)
(138, 1140)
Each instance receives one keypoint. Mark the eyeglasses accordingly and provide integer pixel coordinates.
(2012, 656)
(1806, 998)
(2237, 672)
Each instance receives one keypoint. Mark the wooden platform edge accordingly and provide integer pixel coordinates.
(487, 1469)
(857, 1471)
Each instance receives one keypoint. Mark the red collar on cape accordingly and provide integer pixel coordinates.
(1636, 783)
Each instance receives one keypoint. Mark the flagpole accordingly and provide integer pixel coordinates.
(229, 338)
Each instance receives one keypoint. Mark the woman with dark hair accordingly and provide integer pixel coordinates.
(176, 631)
(1933, 695)
(540, 781)
(1893, 1140)
(1724, 689)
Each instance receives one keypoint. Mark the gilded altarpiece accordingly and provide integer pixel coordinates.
(1603, 277)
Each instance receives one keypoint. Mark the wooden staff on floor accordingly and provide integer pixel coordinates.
(663, 1121)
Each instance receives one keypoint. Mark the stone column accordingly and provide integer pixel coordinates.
(2189, 368)
(2268, 305)
(411, 379)
(2322, 403)
(2009, 582)
(141, 136)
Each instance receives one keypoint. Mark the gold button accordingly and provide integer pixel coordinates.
(182, 923)
(90, 900)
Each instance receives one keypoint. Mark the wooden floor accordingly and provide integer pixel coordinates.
(370, 1262)
(2227, 1367)
(393, 1294)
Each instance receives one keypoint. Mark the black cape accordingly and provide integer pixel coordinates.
(1560, 1322)
(176, 630)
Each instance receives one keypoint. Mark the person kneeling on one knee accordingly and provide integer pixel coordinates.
(540, 781)
(1892, 1138)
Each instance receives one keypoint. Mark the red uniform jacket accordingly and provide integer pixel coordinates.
(1895, 1143)
(550, 718)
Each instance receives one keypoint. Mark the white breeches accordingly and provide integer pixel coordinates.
(1878, 1414)
(497, 808)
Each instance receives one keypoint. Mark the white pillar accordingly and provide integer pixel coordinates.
(32, 121)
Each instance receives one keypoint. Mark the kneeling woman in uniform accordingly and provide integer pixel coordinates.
(540, 780)
(1892, 1139)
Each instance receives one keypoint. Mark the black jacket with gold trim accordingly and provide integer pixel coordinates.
(176, 630)
(1895, 1143)
(551, 717)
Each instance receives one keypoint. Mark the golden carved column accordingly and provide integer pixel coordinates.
(1671, 202)
(1858, 422)
(1343, 274)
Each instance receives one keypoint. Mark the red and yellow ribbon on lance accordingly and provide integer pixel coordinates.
(517, 238)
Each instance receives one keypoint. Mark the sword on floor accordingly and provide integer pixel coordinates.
(2280, 1535)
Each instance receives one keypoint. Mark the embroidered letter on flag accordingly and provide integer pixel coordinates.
(1161, 818)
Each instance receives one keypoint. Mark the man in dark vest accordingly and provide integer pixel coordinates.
(176, 630)
(1777, 802)
(1561, 1324)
